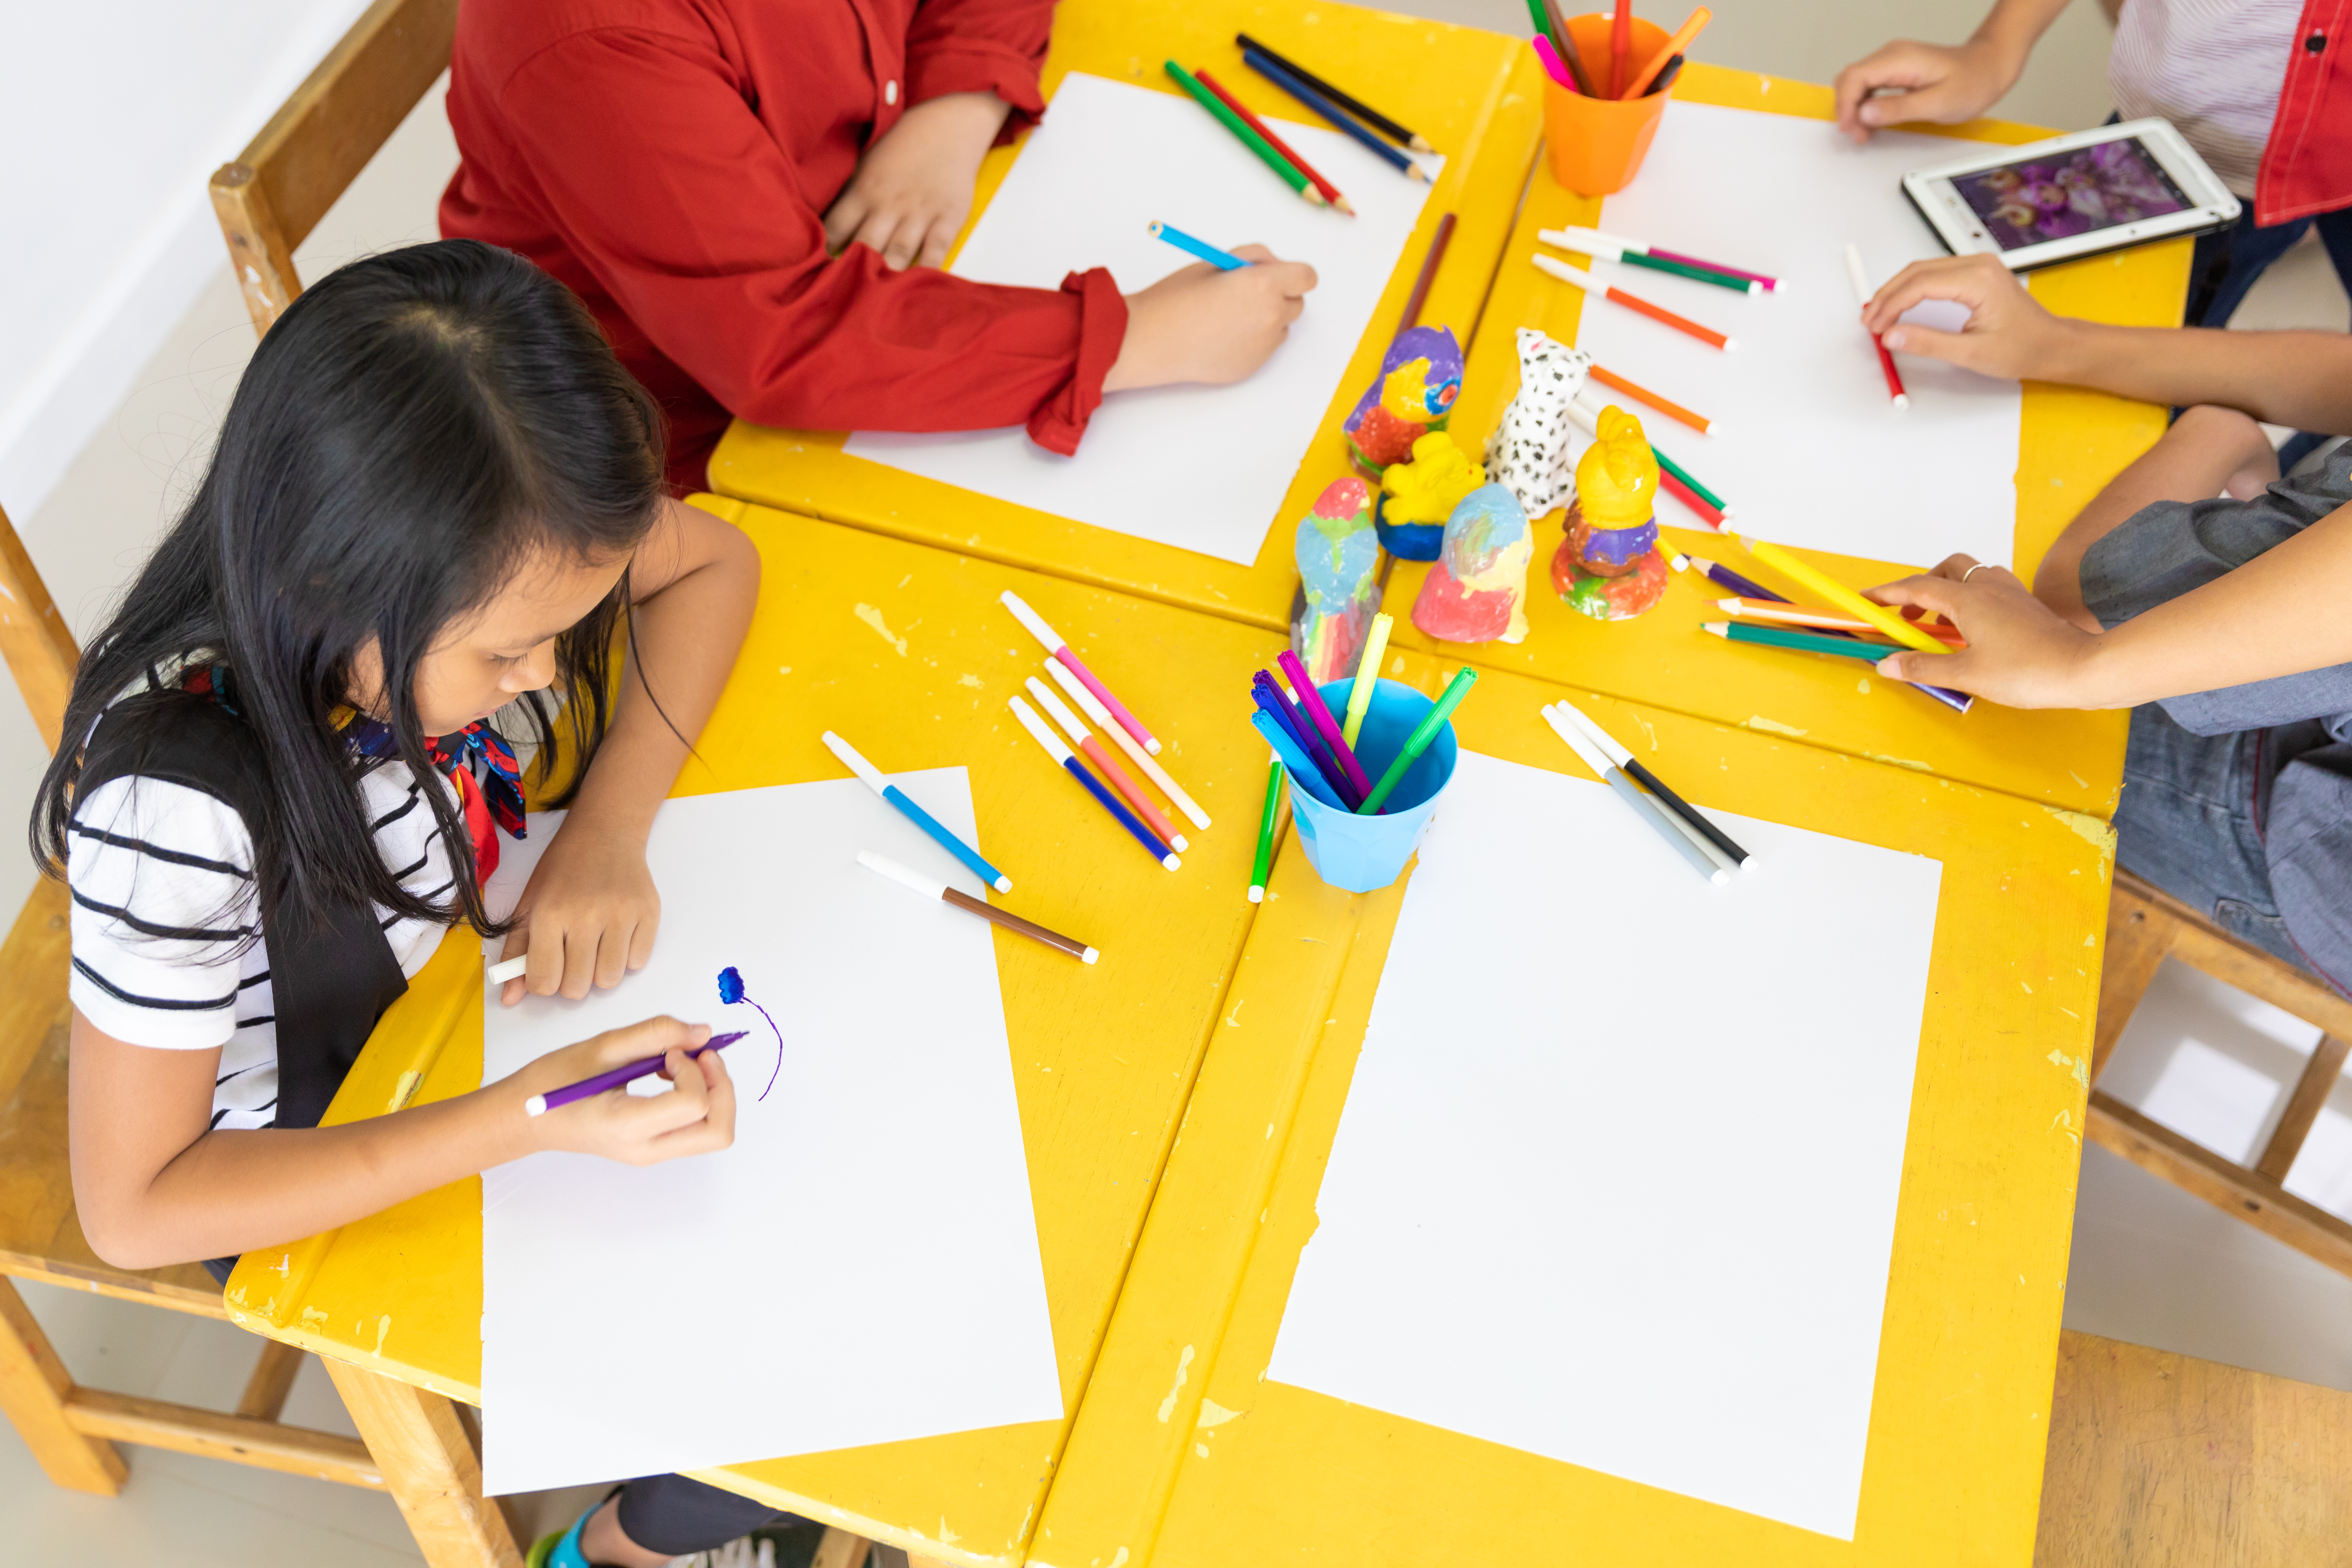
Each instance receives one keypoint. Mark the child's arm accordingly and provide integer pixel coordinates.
(913, 188)
(591, 908)
(2299, 379)
(1938, 84)
(153, 1186)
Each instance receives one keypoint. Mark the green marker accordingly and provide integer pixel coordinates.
(1423, 734)
(1689, 483)
(1264, 867)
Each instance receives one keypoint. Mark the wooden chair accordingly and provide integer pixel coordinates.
(2145, 927)
(2157, 1459)
(288, 175)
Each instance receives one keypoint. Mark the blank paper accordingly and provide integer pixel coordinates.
(862, 1266)
(1616, 1179)
(1200, 467)
(1809, 450)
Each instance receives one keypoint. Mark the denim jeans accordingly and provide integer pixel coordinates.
(2187, 823)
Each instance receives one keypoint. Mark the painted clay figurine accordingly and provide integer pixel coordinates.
(1338, 592)
(1477, 590)
(1420, 377)
(1416, 498)
(1529, 451)
(1607, 566)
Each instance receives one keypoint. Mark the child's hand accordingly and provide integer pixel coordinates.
(1200, 323)
(1939, 85)
(587, 916)
(913, 188)
(2008, 333)
(2021, 653)
(698, 1117)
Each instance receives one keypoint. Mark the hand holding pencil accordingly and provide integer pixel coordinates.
(2021, 653)
(1205, 323)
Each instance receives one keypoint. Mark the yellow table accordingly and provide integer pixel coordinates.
(1183, 1455)
(2072, 442)
(904, 650)
(1473, 94)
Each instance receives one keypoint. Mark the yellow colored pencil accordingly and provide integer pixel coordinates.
(1844, 597)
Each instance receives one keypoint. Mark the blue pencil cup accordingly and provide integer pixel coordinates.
(1363, 854)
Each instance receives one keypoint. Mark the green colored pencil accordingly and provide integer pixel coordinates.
(1418, 741)
(1802, 642)
(1264, 867)
(1696, 273)
(1693, 484)
(1250, 139)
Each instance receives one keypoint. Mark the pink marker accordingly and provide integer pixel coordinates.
(1062, 651)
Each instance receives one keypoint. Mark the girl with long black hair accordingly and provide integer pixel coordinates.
(437, 497)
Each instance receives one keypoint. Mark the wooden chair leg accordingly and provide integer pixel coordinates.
(273, 1378)
(2139, 935)
(839, 1547)
(2302, 1107)
(429, 1466)
(34, 1389)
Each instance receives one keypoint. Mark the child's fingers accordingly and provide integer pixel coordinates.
(1928, 342)
(876, 231)
(613, 951)
(641, 938)
(647, 1038)
(937, 243)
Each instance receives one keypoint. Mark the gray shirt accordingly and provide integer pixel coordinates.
(2303, 795)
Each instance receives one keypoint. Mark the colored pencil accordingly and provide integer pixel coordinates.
(1266, 67)
(914, 881)
(1061, 754)
(1371, 116)
(1862, 292)
(1823, 620)
(1615, 295)
(1553, 19)
(871, 776)
(1104, 764)
(1601, 248)
(1429, 264)
(1682, 492)
(1698, 421)
(1621, 45)
(1624, 757)
(1279, 703)
(1801, 642)
(1724, 576)
(1223, 261)
(1648, 810)
(628, 1072)
(1419, 741)
(1367, 676)
(1250, 139)
(1091, 706)
(1619, 242)
(1060, 650)
(1667, 77)
(1262, 867)
(1249, 118)
(1693, 24)
(1304, 774)
(1554, 68)
(1844, 597)
(1318, 713)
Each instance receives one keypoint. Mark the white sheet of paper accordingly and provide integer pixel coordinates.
(1808, 450)
(862, 1265)
(1616, 1179)
(1200, 467)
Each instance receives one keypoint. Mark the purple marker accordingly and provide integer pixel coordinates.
(629, 1073)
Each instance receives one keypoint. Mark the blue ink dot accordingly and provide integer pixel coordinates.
(730, 985)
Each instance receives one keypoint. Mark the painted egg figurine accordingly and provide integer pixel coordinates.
(1338, 587)
(1477, 590)
(1420, 376)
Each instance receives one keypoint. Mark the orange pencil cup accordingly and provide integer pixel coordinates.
(1597, 144)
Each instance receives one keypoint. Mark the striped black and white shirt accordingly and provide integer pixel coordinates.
(167, 948)
(2213, 68)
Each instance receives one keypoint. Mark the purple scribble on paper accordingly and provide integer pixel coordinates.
(730, 991)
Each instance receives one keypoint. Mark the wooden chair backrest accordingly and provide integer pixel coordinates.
(318, 141)
(40, 651)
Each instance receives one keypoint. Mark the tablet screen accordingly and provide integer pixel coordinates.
(2058, 195)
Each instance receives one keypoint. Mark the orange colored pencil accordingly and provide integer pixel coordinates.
(1698, 421)
(1678, 45)
(1330, 192)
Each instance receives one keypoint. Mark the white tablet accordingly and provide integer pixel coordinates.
(2074, 195)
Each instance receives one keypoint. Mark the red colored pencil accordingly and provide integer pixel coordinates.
(1621, 45)
(1683, 493)
(1588, 282)
(1429, 264)
(1330, 192)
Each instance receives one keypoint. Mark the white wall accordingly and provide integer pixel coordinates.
(114, 115)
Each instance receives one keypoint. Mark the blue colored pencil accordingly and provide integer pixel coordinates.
(1273, 72)
(1224, 259)
(1303, 773)
(1055, 748)
(990, 877)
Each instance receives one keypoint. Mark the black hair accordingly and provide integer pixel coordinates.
(413, 429)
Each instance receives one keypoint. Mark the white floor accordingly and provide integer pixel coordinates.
(2149, 1265)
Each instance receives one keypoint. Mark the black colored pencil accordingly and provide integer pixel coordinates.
(1379, 122)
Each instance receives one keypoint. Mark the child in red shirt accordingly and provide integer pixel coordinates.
(754, 196)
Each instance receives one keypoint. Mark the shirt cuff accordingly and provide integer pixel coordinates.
(980, 67)
(1102, 328)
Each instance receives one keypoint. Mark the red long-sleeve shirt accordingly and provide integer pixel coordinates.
(671, 162)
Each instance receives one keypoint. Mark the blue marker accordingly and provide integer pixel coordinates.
(1044, 736)
(1200, 247)
(1303, 773)
(988, 875)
